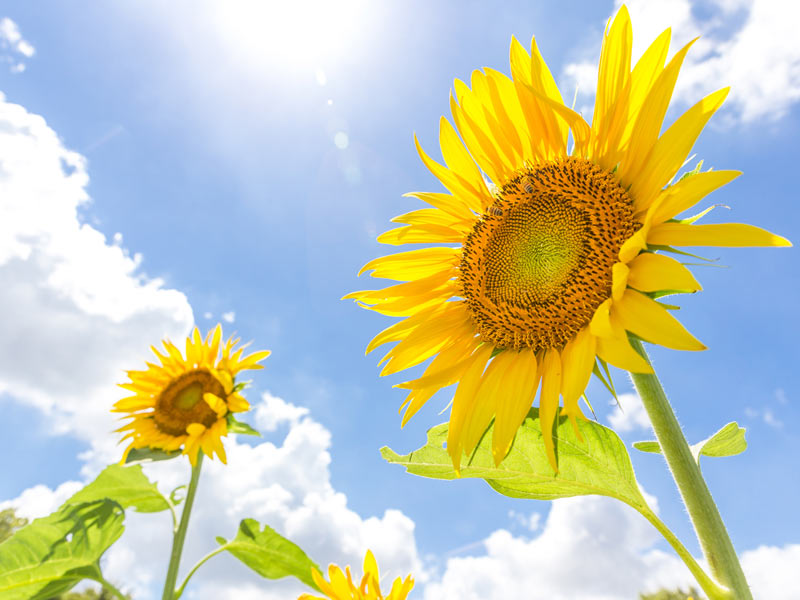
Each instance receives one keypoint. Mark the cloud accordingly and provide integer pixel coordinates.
(594, 548)
(82, 309)
(749, 45)
(13, 45)
(285, 484)
(229, 317)
(630, 415)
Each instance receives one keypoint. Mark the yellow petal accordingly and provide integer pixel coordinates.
(486, 400)
(414, 264)
(463, 401)
(421, 234)
(654, 272)
(446, 203)
(619, 274)
(548, 401)
(652, 322)
(672, 148)
(600, 324)
(461, 164)
(688, 192)
(618, 352)
(650, 119)
(722, 234)
(577, 358)
(514, 401)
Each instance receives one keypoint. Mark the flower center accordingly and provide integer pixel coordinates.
(538, 263)
(181, 403)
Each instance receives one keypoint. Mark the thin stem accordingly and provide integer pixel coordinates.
(180, 534)
(107, 585)
(712, 589)
(714, 539)
(199, 564)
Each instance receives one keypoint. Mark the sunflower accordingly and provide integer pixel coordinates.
(341, 586)
(547, 259)
(187, 402)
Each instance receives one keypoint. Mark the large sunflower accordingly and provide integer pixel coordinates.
(342, 586)
(185, 402)
(547, 258)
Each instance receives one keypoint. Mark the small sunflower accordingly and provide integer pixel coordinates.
(186, 402)
(547, 258)
(342, 587)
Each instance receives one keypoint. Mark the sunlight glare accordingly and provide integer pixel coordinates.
(302, 33)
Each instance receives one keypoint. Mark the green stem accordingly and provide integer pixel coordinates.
(108, 586)
(180, 533)
(199, 564)
(712, 589)
(714, 539)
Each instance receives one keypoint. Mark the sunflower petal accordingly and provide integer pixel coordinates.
(652, 322)
(722, 234)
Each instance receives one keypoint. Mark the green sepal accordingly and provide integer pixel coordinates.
(137, 455)
(236, 426)
(240, 386)
(728, 441)
(598, 465)
(609, 383)
(674, 250)
(269, 554)
(694, 171)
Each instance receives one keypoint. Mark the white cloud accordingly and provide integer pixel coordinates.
(749, 45)
(81, 310)
(595, 548)
(229, 317)
(286, 485)
(12, 44)
(274, 411)
(630, 415)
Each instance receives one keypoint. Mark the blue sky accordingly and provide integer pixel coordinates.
(246, 159)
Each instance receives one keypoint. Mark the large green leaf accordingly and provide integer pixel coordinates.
(268, 553)
(598, 465)
(126, 485)
(728, 441)
(50, 555)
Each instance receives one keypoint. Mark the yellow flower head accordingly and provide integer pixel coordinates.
(184, 402)
(342, 587)
(546, 259)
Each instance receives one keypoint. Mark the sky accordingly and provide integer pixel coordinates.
(170, 164)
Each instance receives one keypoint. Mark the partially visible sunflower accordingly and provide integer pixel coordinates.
(547, 258)
(342, 587)
(185, 402)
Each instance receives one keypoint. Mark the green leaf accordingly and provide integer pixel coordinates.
(138, 455)
(648, 446)
(126, 485)
(268, 553)
(236, 426)
(52, 554)
(599, 465)
(728, 441)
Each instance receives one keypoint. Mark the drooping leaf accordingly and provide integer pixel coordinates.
(126, 485)
(598, 465)
(138, 455)
(236, 426)
(728, 441)
(268, 553)
(52, 554)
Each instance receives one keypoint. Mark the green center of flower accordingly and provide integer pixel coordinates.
(181, 403)
(538, 264)
(534, 250)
